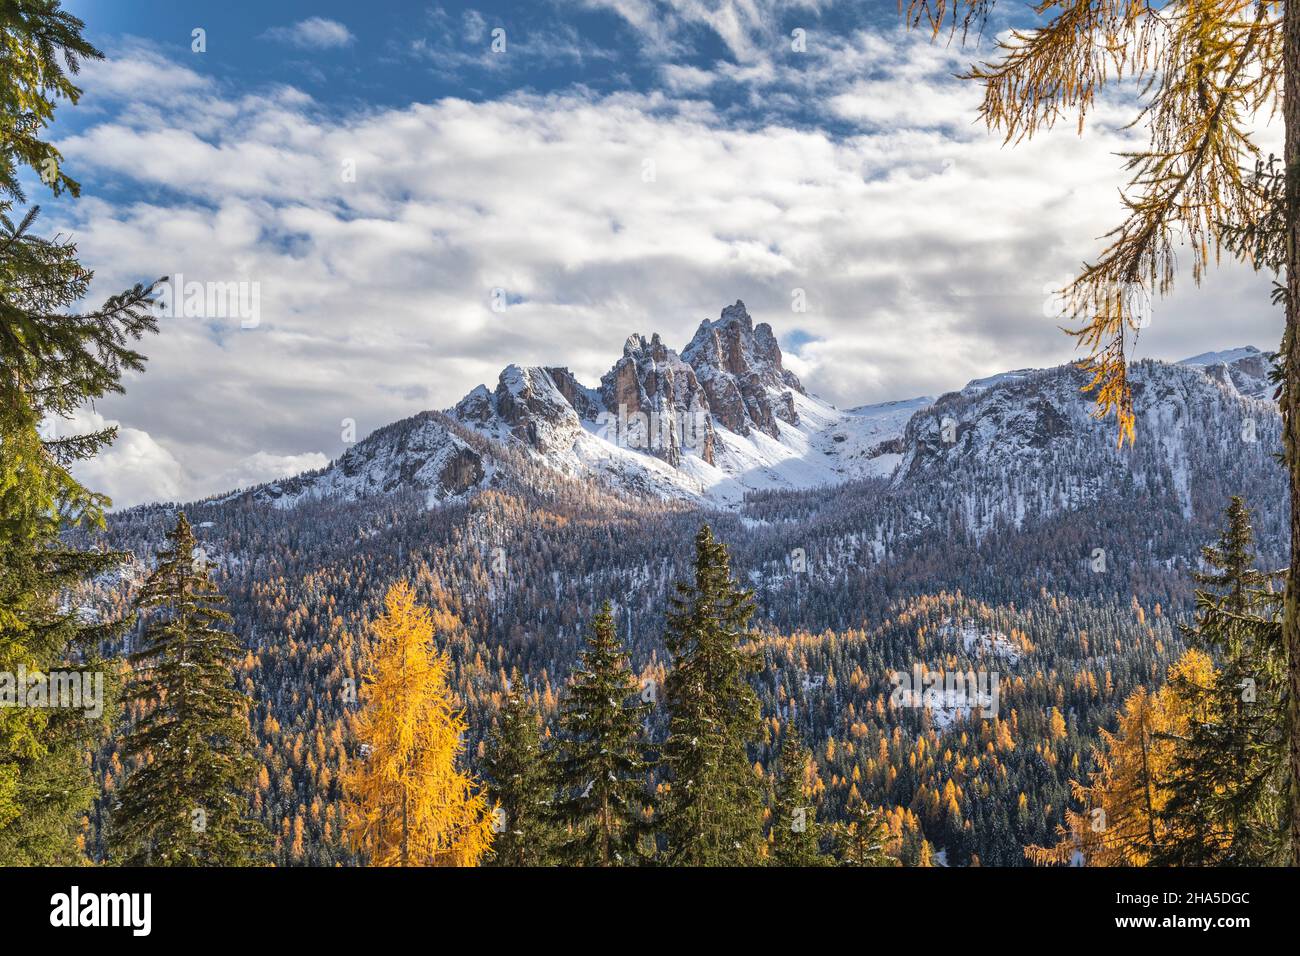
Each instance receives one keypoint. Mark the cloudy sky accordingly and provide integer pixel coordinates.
(385, 176)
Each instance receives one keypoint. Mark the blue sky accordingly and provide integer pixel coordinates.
(395, 53)
(621, 166)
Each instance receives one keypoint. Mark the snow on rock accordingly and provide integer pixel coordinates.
(977, 641)
(422, 453)
(721, 418)
(724, 417)
(739, 366)
(1030, 442)
(1244, 370)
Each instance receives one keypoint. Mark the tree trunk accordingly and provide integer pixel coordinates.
(1146, 785)
(1291, 401)
(406, 833)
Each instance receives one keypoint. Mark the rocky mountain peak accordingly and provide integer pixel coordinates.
(739, 366)
(1244, 370)
(657, 402)
(735, 315)
(640, 348)
(724, 417)
(537, 406)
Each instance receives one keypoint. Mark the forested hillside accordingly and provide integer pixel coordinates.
(851, 584)
(687, 613)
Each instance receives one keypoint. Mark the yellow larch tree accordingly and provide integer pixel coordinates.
(1121, 822)
(408, 803)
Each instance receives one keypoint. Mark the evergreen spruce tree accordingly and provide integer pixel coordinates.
(40, 44)
(1229, 800)
(517, 780)
(599, 760)
(713, 811)
(1234, 575)
(861, 841)
(795, 831)
(52, 362)
(185, 799)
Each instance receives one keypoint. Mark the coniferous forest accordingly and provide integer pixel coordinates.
(1022, 644)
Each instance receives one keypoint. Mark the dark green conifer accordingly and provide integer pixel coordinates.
(795, 830)
(861, 841)
(713, 812)
(1229, 801)
(190, 752)
(40, 44)
(599, 761)
(53, 361)
(517, 781)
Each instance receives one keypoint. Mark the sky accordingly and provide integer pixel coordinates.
(410, 196)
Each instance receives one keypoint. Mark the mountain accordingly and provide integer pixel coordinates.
(1030, 448)
(1245, 369)
(721, 418)
(740, 368)
(998, 527)
(425, 453)
(724, 418)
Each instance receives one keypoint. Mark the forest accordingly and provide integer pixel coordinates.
(550, 672)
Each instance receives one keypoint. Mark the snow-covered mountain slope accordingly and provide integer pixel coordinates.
(1032, 445)
(707, 425)
(721, 418)
(724, 417)
(1245, 369)
(423, 453)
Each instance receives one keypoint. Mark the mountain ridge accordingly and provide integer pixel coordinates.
(704, 426)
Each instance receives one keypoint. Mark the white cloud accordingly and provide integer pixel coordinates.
(262, 467)
(473, 26)
(314, 33)
(923, 245)
(750, 29)
(136, 468)
(681, 78)
(454, 46)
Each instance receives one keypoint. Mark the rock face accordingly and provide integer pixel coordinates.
(725, 417)
(1244, 370)
(462, 470)
(423, 453)
(739, 366)
(475, 409)
(533, 406)
(582, 399)
(1029, 442)
(653, 402)
(542, 408)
